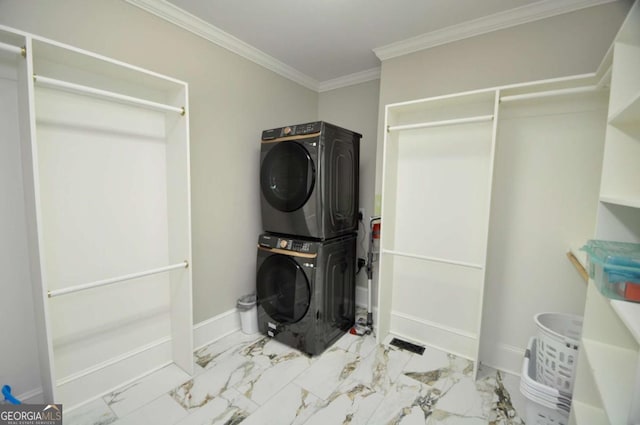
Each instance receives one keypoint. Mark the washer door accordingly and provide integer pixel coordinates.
(287, 176)
(283, 289)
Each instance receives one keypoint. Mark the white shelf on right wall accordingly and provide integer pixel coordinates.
(611, 366)
(624, 117)
(629, 313)
(607, 388)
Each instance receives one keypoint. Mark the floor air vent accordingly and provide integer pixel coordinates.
(405, 345)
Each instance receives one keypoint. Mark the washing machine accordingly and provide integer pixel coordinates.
(306, 290)
(309, 180)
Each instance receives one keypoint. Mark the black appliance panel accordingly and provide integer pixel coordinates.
(338, 273)
(309, 321)
(341, 177)
(292, 203)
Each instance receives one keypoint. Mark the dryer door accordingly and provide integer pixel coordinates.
(283, 289)
(287, 176)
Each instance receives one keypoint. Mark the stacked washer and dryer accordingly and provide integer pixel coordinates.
(306, 262)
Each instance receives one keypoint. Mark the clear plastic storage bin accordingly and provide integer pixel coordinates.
(615, 268)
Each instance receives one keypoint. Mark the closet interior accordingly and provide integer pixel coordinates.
(439, 171)
(102, 175)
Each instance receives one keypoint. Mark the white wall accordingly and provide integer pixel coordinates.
(356, 108)
(545, 193)
(231, 101)
(569, 44)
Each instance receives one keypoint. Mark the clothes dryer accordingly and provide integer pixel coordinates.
(309, 180)
(306, 290)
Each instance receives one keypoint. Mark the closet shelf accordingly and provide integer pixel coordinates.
(92, 91)
(433, 259)
(625, 202)
(626, 117)
(614, 373)
(104, 282)
(629, 313)
(467, 120)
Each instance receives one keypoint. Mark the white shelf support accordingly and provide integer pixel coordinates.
(605, 80)
(434, 259)
(468, 120)
(549, 93)
(13, 49)
(104, 282)
(92, 91)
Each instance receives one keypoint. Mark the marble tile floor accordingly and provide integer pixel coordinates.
(256, 380)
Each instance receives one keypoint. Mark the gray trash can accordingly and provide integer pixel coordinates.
(248, 313)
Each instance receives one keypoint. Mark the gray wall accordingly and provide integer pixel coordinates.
(356, 108)
(231, 101)
(564, 45)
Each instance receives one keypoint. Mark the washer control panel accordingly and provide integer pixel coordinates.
(279, 242)
(292, 130)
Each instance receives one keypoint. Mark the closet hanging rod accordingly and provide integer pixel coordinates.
(468, 120)
(549, 93)
(71, 289)
(77, 88)
(22, 51)
(433, 259)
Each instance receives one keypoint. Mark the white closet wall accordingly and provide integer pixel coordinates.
(106, 169)
(548, 161)
(436, 197)
(437, 192)
(19, 366)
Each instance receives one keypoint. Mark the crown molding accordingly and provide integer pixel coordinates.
(201, 28)
(510, 18)
(350, 80)
(521, 15)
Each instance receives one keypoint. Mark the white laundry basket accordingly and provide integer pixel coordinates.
(557, 349)
(545, 405)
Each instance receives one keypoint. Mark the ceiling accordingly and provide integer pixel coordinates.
(327, 41)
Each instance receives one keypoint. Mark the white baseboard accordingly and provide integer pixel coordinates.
(34, 396)
(444, 338)
(506, 358)
(210, 330)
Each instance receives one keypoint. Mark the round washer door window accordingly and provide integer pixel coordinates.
(287, 176)
(283, 289)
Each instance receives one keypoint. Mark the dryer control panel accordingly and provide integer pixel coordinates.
(281, 242)
(292, 130)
